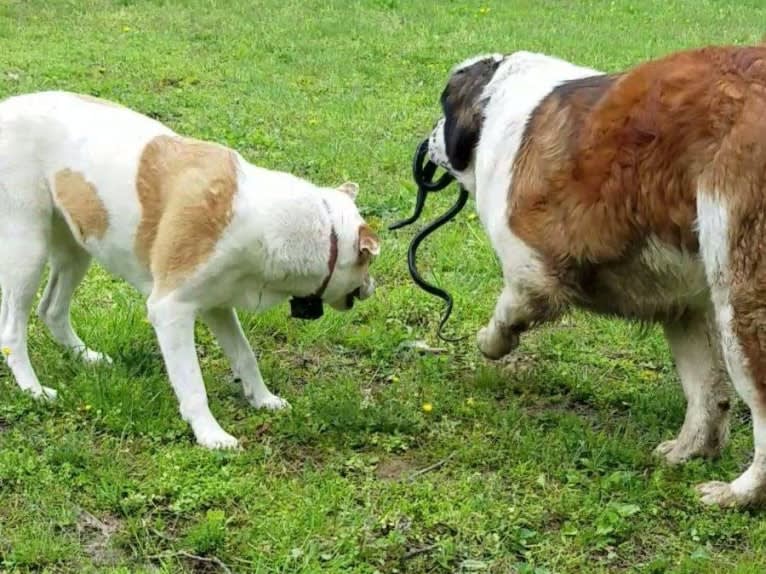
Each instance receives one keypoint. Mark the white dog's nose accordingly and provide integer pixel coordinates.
(367, 289)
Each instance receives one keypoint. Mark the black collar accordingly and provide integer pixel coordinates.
(310, 307)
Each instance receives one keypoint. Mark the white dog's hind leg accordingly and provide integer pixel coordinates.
(68, 264)
(225, 326)
(21, 263)
(696, 351)
(174, 324)
(25, 218)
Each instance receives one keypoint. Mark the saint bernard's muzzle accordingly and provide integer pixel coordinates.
(437, 148)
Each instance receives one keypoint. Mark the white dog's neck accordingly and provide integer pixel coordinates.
(286, 236)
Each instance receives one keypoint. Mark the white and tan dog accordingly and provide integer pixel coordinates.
(191, 224)
(639, 194)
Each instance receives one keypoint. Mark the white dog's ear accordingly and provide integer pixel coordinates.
(350, 188)
(369, 244)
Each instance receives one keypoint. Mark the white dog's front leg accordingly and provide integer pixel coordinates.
(174, 324)
(224, 324)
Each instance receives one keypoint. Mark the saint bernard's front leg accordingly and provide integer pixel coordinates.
(501, 335)
(173, 322)
(526, 299)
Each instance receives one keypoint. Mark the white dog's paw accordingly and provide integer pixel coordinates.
(91, 356)
(270, 402)
(44, 393)
(493, 346)
(217, 439)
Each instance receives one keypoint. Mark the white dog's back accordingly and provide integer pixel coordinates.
(79, 140)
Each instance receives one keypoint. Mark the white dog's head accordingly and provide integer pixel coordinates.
(357, 247)
(453, 141)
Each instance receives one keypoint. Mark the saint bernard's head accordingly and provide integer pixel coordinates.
(453, 141)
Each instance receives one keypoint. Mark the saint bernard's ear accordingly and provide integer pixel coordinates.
(461, 133)
(350, 188)
(464, 110)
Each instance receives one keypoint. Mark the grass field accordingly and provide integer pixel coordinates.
(541, 464)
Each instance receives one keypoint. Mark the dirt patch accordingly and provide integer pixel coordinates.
(394, 468)
(96, 536)
(519, 363)
(539, 406)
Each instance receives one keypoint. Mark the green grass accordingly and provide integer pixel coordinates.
(547, 462)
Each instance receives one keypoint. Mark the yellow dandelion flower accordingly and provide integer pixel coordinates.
(427, 407)
(6, 351)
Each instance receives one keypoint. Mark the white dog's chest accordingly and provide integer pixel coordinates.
(245, 292)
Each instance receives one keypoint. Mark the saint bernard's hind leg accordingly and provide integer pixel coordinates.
(526, 299)
(731, 242)
(694, 344)
(68, 264)
(225, 326)
(173, 321)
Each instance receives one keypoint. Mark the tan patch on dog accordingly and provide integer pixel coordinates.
(97, 100)
(186, 188)
(79, 199)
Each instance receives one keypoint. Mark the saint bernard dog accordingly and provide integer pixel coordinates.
(191, 224)
(639, 194)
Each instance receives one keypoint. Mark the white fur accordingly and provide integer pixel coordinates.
(695, 347)
(276, 246)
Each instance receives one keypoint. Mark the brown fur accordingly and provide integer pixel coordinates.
(79, 199)
(608, 163)
(186, 188)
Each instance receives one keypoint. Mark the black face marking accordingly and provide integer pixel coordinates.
(463, 108)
